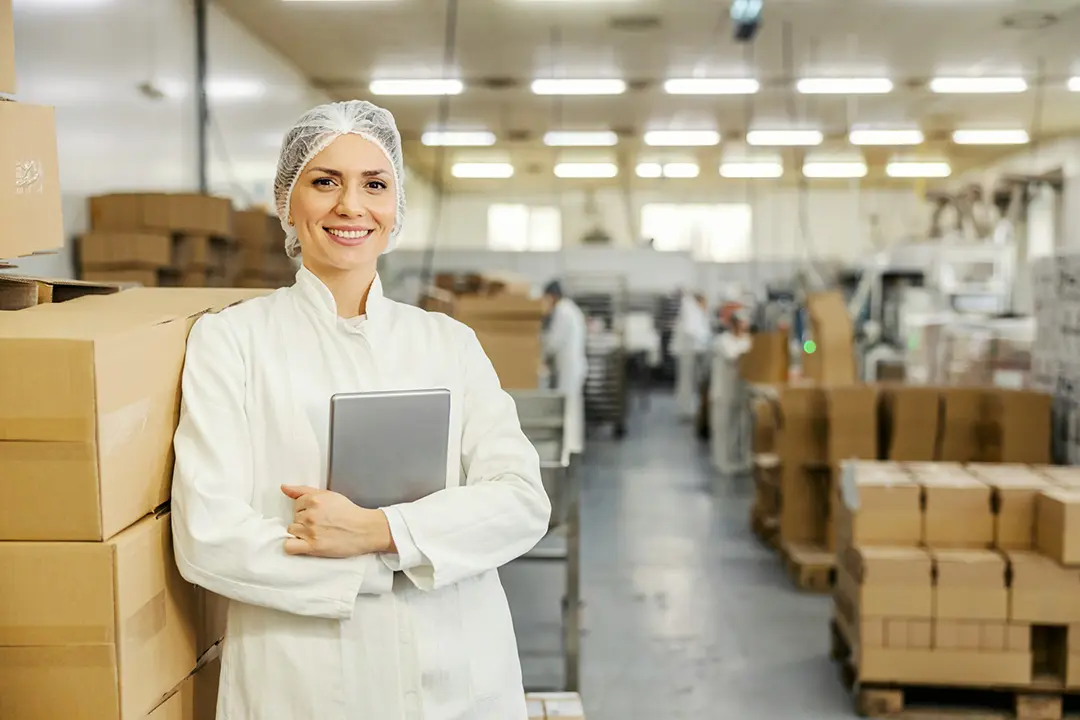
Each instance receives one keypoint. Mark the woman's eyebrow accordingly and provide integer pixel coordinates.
(337, 173)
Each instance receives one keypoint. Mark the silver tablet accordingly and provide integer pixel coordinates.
(388, 447)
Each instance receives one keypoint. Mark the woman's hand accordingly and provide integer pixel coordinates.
(328, 524)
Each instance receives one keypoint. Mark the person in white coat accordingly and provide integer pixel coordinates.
(564, 342)
(690, 342)
(339, 612)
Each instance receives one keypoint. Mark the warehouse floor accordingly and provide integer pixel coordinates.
(686, 615)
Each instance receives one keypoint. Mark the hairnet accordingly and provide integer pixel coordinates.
(553, 288)
(313, 132)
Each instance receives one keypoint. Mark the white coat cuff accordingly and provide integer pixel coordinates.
(408, 554)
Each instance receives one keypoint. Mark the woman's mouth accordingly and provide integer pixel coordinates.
(349, 237)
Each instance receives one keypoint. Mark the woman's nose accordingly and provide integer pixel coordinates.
(351, 202)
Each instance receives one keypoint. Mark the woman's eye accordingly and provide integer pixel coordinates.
(323, 182)
(377, 185)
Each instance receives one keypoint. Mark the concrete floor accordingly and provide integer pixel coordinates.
(686, 615)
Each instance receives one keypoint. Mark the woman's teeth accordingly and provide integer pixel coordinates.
(349, 234)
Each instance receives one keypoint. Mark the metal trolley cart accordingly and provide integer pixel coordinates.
(604, 300)
(543, 418)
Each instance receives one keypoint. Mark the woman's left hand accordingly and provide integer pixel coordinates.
(328, 524)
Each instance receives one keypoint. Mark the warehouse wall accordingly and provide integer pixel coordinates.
(841, 222)
(88, 59)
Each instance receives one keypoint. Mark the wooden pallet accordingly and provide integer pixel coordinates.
(811, 568)
(919, 702)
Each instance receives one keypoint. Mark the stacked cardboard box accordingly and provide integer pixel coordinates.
(30, 217)
(18, 292)
(555, 706)
(160, 239)
(943, 576)
(832, 358)
(97, 621)
(262, 260)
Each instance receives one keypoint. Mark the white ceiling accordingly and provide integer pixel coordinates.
(501, 45)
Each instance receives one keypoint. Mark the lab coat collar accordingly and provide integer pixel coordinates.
(317, 298)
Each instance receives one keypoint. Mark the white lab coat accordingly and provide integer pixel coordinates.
(730, 420)
(564, 342)
(351, 639)
(689, 343)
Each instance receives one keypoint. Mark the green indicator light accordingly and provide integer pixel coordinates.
(809, 347)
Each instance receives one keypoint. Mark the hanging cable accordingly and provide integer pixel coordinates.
(449, 52)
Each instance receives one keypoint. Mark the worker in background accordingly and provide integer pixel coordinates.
(730, 422)
(564, 344)
(335, 610)
(690, 344)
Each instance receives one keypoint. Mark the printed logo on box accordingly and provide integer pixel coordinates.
(29, 177)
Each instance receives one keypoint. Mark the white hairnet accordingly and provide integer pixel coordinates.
(313, 132)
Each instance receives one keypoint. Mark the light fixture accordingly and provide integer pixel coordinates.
(792, 138)
(682, 138)
(458, 138)
(978, 85)
(885, 137)
(649, 170)
(711, 86)
(490, 170)
(586, 170)
(578, 87)
(1074, 84)
(599, 138)
(990, 137)
(750, 169)
(416, 87)
(668, 170)
(834, 169)
(918, 169)
(844, 86)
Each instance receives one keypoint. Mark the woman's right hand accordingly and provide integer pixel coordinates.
(328, 524)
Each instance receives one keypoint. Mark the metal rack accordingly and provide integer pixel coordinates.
(543, 418)
(604, 300)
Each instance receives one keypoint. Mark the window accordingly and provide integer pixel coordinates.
(524, 227)
(720, 233)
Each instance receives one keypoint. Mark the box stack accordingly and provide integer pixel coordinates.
(507, 322)
(262, 259)
(97, 621)
(555, 706)
(160, 239)
(30, 217)
(830, 360)
(960, 576)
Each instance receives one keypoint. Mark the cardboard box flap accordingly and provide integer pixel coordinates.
(983, 568)
(1064, 476)
(1032, 571)
(1008, 476)
(890, 566)
(856, 475)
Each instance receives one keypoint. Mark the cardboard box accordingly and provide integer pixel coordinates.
(128, 251)
(970, 585)
(1018, 427)
(852, 422)
(887, 582)
(7, 48)
(881, 505)
(805, 504)
(195, 698)
(962, 417)
(833, 360)
(30, 212)
(1064, 476)
(18, 292)
(1058, 526)
(88, 411)
(1042, 592)
(170, 212)
(804, 430)
(557, 705)
(101, 630)
(211, 616)
(957, 509)
(259, 231)
(910, 419)
(508, 328)
(768, 360)
(144, 278)
(1015, 490)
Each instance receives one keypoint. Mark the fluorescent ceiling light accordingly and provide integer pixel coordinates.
(978, 85)
(834, 169)
(458, 138)
(990, 137)
(711, 86)
(416, 87)
(578, 87)
(600, 138)
(751, 169)
(482, 170)
(886, 137)
(668, 170)
(682, 138)
(586, 170)
(774, 138)
(650, 170)
(844, 86)
(917, 169)
(1074, 84)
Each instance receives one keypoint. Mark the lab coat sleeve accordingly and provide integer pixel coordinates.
(555, 336)
(502, 510)
(221, 543)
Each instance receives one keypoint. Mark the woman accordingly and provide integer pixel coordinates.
(340, 612)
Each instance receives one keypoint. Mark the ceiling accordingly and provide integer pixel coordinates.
(501, 45)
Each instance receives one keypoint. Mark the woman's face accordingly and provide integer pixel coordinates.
(344, 206)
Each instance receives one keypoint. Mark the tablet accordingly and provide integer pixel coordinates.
(388, 447)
